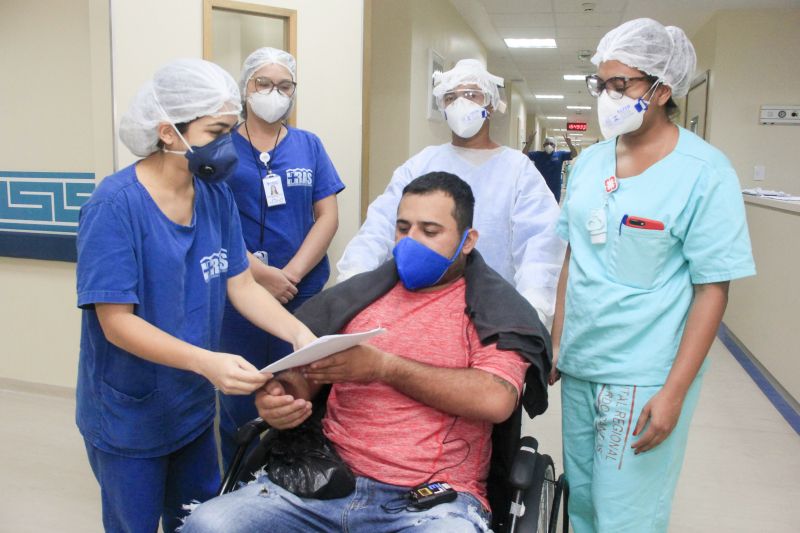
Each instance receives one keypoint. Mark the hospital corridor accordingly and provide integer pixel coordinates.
(521, 266)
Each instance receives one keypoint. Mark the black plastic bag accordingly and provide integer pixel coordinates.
(304, 462)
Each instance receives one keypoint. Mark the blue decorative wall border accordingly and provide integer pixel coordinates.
(39, 213)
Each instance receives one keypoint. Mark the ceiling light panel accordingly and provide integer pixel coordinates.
(530, 43)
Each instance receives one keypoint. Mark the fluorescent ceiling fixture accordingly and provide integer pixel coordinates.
(574, 77)
(579, 107)
(530, 43)
(550, 96)
(556, 118)
(557, 129)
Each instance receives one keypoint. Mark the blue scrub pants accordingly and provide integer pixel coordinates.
(240, 337)
(136, 492)
(611, 488)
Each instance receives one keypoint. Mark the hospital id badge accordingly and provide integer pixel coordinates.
(596, 225)
(273, 188)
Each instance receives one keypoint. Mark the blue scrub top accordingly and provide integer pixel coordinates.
(550, 167)
(627, 300)
(129, 252)
(307, 175)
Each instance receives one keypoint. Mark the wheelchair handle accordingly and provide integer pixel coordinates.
(522, 469)
(246, 433)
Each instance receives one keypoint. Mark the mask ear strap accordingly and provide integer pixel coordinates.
(460, 246)
(167, 119)
(641, 103)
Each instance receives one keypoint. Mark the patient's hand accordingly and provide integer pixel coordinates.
(359, 364)
(281, 410)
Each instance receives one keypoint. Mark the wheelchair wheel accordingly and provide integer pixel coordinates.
(547, 494)
(561, 491)
(539, 498)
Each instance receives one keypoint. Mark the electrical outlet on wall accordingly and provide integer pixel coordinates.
(759, 173)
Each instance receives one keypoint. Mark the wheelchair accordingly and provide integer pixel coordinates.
(524, 493)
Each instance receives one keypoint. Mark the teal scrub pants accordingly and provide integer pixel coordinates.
(611, 488)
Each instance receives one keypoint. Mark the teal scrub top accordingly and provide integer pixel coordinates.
(627, 299)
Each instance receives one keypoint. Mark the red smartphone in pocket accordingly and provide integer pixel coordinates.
(643, 223)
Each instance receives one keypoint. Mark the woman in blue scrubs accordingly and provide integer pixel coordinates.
(159, 248)
(285, 187)
(656, 229)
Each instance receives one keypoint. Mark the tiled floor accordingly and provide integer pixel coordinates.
(742, 469)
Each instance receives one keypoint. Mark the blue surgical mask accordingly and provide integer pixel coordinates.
(213, 162)
(418, 266)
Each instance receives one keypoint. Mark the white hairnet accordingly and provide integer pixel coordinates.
(265, 56)
(468, 71)
(549, 140)
(179, 92)
(647, 45)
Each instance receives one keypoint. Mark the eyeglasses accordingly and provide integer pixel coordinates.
(265, 85)
(473, 95)
(615, 87)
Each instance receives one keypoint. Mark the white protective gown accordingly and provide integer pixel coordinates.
(515, 215)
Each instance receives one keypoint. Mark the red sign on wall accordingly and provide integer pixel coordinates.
(576, 126)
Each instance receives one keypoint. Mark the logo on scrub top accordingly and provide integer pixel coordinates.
(214, 264)
(299, 177)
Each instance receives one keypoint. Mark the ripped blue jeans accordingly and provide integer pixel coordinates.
(264, 506)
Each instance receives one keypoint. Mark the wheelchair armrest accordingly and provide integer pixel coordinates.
(522, 469)
(249, 431)
(246, 433)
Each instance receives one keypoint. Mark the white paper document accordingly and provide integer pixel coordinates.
(320, 348)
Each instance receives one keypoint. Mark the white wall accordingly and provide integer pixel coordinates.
(753, 60)
(56, 106)
(389, 91)
(763, 310)
(752, 56)
(509, 128)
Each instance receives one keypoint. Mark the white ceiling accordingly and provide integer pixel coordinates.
(540, 71)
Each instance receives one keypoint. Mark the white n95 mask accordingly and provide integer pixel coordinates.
(625, 115)
(465, 118)
(549, 149)
(271, 107)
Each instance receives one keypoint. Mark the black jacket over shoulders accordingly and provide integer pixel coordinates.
(498, 312)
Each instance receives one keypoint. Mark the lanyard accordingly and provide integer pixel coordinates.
(265, 158)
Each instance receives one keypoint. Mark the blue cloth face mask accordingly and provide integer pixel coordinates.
(418, 266)
(213, 162)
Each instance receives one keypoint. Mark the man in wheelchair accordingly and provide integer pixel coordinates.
(418, 403)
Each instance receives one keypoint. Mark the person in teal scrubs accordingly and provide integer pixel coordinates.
(656, 228)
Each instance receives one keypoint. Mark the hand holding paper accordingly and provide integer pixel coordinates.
(362, 363)
(320, 348)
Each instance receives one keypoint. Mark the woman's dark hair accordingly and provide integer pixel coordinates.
(452, 186)
(672, 109)
(181, 127)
